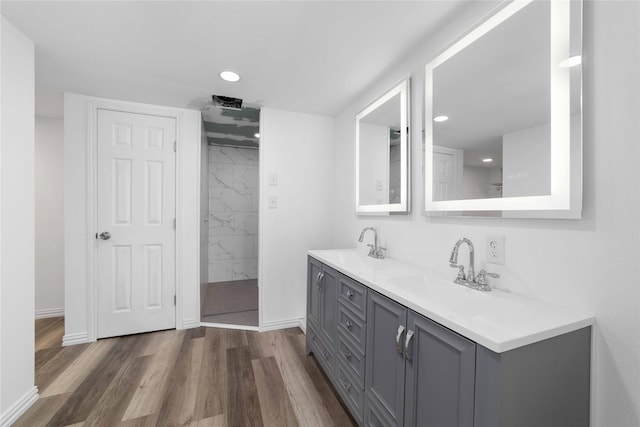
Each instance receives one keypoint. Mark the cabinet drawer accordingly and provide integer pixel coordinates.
(353, 295)
(352, 326)
(351, 358)
(323, 355)
(351, 392)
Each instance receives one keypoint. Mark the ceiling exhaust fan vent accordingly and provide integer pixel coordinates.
(227, 102)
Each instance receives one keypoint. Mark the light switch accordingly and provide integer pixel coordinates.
(273, 179)
(272, 202)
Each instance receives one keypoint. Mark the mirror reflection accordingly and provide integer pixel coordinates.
(381, 153)
(501, 103)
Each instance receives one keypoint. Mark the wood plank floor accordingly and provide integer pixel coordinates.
(196, 377)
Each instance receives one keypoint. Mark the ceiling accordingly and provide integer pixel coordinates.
(306, 56)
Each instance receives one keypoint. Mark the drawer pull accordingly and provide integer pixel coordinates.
(347, 355)
(350, 294)
(349, 324)
(346, 385)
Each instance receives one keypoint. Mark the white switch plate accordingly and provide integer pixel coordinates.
(495, 249)
(273, 179)
(272, 201)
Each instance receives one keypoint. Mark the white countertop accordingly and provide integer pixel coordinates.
(497, 320)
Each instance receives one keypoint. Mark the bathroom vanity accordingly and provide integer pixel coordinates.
(404, 346)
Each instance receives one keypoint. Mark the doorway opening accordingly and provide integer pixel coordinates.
(230, 206)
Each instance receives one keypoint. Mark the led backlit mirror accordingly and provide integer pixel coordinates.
(503, 116)
(382, 153)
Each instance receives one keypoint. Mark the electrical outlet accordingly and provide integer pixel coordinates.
(273, 179)
(272, 201)
(495, 249)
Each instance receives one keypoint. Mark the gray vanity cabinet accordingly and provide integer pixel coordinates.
(440, 371)
(384, 378)
(322, 309)
(394, 367)
(418, 372)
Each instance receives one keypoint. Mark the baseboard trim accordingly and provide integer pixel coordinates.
(282, 324)
(49, 312)
(190, 323)
(229, 326)
(73, 339)
(14, 412)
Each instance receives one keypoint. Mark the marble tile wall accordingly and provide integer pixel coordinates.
(233, 213)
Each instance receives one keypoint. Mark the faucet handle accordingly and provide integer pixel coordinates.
(461, 275)
(481, 279)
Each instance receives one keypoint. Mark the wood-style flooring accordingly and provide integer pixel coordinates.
(195, 377)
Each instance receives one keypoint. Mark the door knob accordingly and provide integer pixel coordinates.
(105, 235)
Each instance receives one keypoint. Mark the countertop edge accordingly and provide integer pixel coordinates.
(580, 322)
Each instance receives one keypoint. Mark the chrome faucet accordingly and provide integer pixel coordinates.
(453, 262)
(470, 280)
(375, 251)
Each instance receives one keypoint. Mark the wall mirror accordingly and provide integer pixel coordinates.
(382, 153)
(503, 116)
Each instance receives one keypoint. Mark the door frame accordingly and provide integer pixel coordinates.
(187, 283)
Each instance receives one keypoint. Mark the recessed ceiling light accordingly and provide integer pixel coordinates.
(440, 119)
(257, 135)
(571, 62)
(487, 160)
(230, 76)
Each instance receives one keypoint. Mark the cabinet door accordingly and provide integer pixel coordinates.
(313, 291)
(329, 305)
(440, 375)
(384, 379)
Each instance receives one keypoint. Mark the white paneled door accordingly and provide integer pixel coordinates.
(447, 173)
(135, 220)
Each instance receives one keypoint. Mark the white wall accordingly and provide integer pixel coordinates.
(17, 230)
(79, 218)
(49, 162)
(591, 264)
(298, 148)
(374, 164)
(204, 208)
(475, 182)
(526, 159)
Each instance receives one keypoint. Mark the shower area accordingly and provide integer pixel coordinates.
(229, 212)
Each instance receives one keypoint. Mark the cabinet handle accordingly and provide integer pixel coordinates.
(350, 294)
(319, 279)
(347, 355)
(346, 385)
(408, 345)
(313, 335)
(325, 354)
(399, 339)
(349, 324)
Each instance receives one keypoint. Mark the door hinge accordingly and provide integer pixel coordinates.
(174, 223)
(175, 146)
(174, 300)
